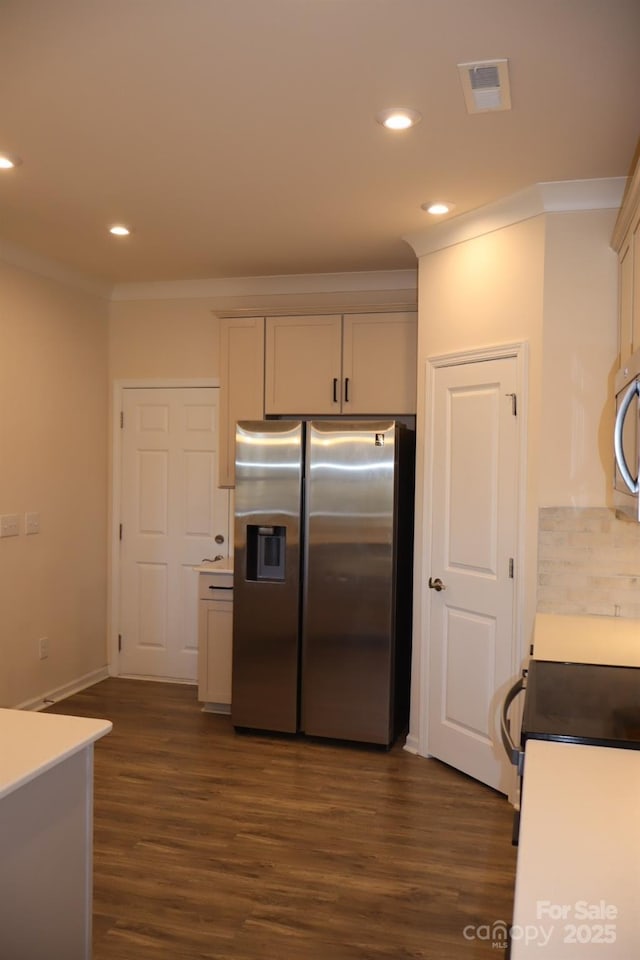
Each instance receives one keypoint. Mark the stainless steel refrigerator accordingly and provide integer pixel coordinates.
(322, 578)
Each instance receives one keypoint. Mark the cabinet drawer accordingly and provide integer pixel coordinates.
(210, 584)
(219, 594)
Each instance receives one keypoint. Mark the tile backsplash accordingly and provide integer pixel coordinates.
(588, 562)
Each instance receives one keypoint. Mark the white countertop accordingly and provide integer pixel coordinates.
(217, 566)
(584, 639)
(31, 743)
(578, 853)
(578, 876)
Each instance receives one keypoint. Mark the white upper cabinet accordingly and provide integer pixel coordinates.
(626, 242)
(303, 364)
(353, 364)
(241, 385)
(379, 363)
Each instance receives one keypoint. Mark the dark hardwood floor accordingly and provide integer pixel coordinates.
(212, 844)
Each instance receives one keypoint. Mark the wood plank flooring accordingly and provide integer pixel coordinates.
(213, 845)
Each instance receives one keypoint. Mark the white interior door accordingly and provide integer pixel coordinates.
(474, 469)
(171, 512)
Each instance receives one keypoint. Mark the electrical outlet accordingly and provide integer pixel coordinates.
(43, 647)
(9, 525)
(32, 523)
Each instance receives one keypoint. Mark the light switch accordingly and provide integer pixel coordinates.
(9, 525)
(32, 523)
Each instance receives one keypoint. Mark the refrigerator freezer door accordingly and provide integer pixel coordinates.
(266, 606)
(348, 617)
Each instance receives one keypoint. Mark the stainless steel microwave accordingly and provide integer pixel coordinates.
(626, 437)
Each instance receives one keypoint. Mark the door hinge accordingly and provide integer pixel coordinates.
(514, 403)
(119, 643)
(120, 532)
(511, 568)
(121, 419)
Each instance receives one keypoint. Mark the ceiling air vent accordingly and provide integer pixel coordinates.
(486, 85)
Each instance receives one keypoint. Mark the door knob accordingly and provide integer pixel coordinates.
(436, 584)
(219, 538)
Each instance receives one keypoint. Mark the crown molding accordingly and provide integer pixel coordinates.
(250, 291)
(564, 196)
(560, 196)
(53, 270)
(357, 291)
(291, 305)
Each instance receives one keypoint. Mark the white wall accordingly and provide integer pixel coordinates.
(53, 455)
(162, 339)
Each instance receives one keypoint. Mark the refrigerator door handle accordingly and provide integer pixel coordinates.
(621, 460)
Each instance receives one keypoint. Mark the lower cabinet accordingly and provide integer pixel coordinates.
(215, 638)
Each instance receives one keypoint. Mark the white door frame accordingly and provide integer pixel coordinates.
(113, 587)
(417, 741)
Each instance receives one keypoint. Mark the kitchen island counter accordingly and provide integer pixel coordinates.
(32, 743)
(46, 831)
(578, 872)
(578, 876)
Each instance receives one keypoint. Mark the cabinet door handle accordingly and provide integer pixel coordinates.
(346, 389)
(335, 389)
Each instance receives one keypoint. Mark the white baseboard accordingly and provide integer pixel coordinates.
(67, 690)
(142, 676)
(223, 709)
(411, 744)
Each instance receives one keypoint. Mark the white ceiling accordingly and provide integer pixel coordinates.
(238, 136)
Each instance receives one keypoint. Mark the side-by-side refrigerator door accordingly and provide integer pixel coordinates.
(266, 604)
(348, 617)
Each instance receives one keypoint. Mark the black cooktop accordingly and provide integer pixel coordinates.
(582, 703)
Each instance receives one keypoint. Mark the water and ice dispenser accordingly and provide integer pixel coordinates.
(265, 552)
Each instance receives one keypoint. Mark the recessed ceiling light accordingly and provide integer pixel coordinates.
(437, 207)
(398, 118)
(119, 230)
(8, 161)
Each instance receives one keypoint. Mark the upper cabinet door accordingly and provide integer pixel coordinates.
(635, 323)
(379, 363)
(303, 365)
(625, 303)
(626, 242)
(242, 385)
